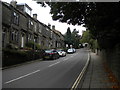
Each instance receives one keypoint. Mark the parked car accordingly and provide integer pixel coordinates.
(61, 52)
(70, 51)
(51, 54)
(81, 46)
(74, 50)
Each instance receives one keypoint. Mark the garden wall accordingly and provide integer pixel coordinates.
(112, 57)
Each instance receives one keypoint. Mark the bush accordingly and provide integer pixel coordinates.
(11, 46)
(37, 46)
(32, 45)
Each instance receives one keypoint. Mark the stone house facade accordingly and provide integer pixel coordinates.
(19, 27)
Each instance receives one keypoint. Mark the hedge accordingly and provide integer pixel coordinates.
(12, 57)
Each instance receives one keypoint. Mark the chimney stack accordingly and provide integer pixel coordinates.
(35, 16)
(13, 3)
(53, 27)
(49, 25)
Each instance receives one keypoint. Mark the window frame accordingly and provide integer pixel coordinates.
(16, 18)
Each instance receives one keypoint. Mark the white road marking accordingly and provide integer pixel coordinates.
(36, 71)
(28, 74)
(22, 77)
(53, 64)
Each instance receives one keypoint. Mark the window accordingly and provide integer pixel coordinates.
(47, 29)
(51, 34)
(3, 37)
(40, 28)
(35, 27)
(15, 36)
(29, 37)
(35, 39)
(12, 35)
(30, 24)
(15, 18)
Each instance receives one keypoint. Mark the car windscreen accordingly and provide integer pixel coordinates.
(48, 51)
(58, 50)
(69, 49)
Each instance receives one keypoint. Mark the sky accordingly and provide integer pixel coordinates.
(44, 16)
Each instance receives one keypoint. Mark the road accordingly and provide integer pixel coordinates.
(60, 73)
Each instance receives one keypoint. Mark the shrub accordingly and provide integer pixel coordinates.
(32, 45)
(11, 46)
(37, 46)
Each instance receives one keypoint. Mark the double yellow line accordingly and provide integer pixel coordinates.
(75, 85)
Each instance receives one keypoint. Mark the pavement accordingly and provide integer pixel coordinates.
(96, 75)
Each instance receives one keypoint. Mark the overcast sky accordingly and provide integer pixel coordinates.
(45, 17)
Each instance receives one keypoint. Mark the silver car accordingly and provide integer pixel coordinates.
(61, 52)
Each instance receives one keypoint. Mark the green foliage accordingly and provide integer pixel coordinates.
(12, 46)
(68, 12)
(75, 38)
(37, 46)
(85, 37)
(32, 45)
(12, 57)
(68, 38)
(72, 38)
(102, 19)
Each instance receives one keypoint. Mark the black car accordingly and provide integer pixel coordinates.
(51, 54)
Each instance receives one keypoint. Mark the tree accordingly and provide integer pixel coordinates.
(72, 38)
(102, 19)
(85, 37)
(68, 39)
(75, 38)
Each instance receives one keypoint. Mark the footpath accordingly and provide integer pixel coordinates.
(97, 75)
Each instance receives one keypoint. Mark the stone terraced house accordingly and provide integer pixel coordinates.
(19, 27)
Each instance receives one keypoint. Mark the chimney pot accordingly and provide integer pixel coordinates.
(53, 27)
(49, 25)
(35, 16)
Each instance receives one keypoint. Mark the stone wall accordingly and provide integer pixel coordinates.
(112, 57)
